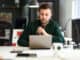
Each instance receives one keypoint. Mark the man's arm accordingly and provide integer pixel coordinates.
(57, 36)
(41, 31)
(24, 39)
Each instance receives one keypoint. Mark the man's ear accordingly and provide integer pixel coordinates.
(51, 13)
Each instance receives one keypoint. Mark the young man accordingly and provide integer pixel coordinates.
(44, 26)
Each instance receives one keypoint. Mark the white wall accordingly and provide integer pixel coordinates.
(66, 16)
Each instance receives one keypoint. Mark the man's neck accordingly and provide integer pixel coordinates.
(44, 25)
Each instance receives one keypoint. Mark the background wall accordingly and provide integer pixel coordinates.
(65, 16)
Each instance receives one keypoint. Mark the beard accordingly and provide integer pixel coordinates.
(44, 22)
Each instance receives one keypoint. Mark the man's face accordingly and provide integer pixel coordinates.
(45, 15)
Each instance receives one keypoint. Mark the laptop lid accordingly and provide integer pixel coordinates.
(40, 41)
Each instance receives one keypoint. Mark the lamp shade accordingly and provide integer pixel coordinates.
(33, 4)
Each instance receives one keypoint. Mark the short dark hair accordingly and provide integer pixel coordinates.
(45, 6)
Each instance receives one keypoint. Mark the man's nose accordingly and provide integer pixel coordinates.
(44, 16)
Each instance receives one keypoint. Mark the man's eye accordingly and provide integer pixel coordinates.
(42, 14)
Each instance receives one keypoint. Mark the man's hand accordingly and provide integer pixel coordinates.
(41, 31)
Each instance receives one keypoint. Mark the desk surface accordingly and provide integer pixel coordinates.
(63, 54)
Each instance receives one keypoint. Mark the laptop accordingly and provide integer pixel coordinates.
(40, 42)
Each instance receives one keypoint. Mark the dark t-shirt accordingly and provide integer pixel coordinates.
(52, 28)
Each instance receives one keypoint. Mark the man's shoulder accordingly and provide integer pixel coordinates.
(53, 22)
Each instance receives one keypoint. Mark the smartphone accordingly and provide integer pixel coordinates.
(26, 55)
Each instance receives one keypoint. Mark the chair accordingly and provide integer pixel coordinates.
(20, 23)
(5, 33)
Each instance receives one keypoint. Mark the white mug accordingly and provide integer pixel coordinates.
(57, 46)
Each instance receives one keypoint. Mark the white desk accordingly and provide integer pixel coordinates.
(64, 54)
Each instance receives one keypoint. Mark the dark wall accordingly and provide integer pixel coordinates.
(10, 6)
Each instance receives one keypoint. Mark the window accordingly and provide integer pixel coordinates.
(75, 9)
